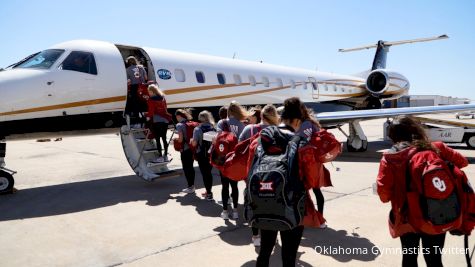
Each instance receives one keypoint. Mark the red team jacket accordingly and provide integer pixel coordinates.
(158, 106)
(391, 183)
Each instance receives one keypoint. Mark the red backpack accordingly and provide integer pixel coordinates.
(432, 193)
(327, 146)
(190, 126)
(224, 143)
(235, 166)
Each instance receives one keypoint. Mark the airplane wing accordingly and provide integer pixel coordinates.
(339, 117)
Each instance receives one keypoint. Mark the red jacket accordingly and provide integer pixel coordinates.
(158, 106)
(391, 182)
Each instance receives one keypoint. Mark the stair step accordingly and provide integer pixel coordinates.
(168, 174)
(154, 164)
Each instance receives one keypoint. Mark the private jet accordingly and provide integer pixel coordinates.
(44, 95)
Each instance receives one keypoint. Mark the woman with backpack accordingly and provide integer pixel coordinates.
(292, 118)
(307, 129)
(396, 179)
(233, 124)
(201, 150)
(160, 118)
(184, 129)
(267, 116)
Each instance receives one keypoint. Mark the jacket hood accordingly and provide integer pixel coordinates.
(398, 153)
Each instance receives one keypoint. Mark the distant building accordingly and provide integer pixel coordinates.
(425, 100)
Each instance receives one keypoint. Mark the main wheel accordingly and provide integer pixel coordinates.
(6, 182)
(471, 141)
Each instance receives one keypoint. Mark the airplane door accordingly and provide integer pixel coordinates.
(314, 86)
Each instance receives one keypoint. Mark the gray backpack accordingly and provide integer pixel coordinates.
(275, 194)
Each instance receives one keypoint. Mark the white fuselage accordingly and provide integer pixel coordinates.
(28, 93)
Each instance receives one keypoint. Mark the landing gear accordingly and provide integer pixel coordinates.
(356, 140)
(6, 176)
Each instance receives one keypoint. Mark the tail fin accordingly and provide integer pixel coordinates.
(382, 48)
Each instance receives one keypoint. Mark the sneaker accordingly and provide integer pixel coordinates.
(209, 197)
(189, 190)
(256, 240)
(159, 160)
(204, 194)
(165, 158)
(323, 226)
(225, 215)
(235, 214)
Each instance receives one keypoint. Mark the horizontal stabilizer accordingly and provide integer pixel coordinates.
(440, 37)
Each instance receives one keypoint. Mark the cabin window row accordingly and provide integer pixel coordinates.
(237, 79)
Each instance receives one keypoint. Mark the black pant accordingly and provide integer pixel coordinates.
(290, 245)
(320, 199)
(160, 131)
(432, 246)
(187, 162)
(205, 168)
(225, 192)
(255, 231)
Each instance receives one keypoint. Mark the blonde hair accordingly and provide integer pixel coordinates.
(154, 89)
(206, 116)
(132, 60)
(235, 110)
(269, 114)
(185, 113)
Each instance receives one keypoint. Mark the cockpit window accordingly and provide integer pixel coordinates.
(80, 61)
(43, 60)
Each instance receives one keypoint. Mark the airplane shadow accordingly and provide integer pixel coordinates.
(87, 195)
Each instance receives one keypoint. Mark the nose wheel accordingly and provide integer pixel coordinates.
(6, 181)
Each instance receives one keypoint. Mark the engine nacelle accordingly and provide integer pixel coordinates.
(382, 82)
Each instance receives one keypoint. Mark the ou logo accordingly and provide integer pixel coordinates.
(439, 184)
(221, 148)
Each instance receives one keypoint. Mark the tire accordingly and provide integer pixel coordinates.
(458, 118)
(6, 182)
(363, 148)
(471, 141)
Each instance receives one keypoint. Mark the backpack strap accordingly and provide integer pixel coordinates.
(226, 127)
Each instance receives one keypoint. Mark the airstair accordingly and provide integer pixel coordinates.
(141, 152)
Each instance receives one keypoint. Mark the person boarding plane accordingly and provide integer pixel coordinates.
(80, 87)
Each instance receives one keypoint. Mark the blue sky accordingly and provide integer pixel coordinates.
(304, 34)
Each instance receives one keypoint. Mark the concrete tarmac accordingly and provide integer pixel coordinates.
(80, 204)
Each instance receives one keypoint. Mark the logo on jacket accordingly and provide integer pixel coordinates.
(269, 186)
(439, 184)
(164, 74)
(221, 147)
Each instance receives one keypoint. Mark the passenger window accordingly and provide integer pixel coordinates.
(200, 77)
(179, 75)
(292, 84)
(81, 62)
(221, 78)
(252, 80)
(237, 79)
(265, 81)
(304, 85)
(279, 82)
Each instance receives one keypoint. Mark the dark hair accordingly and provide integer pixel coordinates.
(256, 112)
(223, 112)
(295, 109)
(185, 113)
(408, 129)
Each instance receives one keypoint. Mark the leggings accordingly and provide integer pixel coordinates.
(432, 246)
(187, 162)
(225, 192)
(290, 245)
(320, 199)
(205, 168)
(160, 131)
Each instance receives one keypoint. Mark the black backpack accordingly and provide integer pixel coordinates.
(275, 195)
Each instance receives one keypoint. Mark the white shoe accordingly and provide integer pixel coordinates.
(159, 160)
(235, 214)
(256, 240)
(323, 226)
(165, 158)
(225, 215)
(189, 190)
